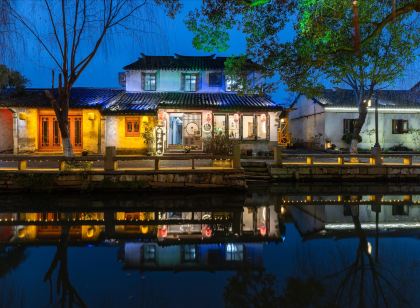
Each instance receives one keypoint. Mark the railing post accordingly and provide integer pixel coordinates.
(340, 160)
(22, 164)
(192, 163)
(156, 164)
(62, 165)
(309, 160)
(278, 155)
(236, 156)
(109, 162)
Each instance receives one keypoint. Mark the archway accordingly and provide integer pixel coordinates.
(6, 131)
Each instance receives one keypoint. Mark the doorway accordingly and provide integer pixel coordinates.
(6, 131)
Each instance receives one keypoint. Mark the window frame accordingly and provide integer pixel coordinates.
(133, 120)
(185, 251)
(184, 81)
(395, 127)
(144, 76)
(352, 125)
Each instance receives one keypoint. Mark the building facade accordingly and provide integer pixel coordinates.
(180, 100)
(324, 120)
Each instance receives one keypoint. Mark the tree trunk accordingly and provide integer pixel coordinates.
(358, 127)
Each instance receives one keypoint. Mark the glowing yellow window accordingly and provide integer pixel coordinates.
(132, 127)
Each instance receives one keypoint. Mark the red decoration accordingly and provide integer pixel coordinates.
(162, 232)
(236, 117)
(263, 230)
(206, 231)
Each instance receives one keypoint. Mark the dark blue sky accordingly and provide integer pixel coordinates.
(170, 36)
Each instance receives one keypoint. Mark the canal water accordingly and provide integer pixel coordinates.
(272, 246)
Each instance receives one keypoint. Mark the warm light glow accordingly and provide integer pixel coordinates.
(91, 116)
(369, 248)
(23, 116)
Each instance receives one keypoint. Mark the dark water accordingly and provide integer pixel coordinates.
(275, 246)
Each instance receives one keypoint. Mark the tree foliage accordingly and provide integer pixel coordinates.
(11, 79)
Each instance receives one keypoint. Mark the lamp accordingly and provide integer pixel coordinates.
(23, 116)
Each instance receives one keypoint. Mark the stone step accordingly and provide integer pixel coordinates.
(250, 173)
(256, 169)
(258, 178)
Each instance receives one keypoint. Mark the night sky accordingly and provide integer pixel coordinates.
(170, 36)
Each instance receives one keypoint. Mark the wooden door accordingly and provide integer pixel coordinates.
(50, 137)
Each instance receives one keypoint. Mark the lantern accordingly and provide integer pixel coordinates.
(236, 117)
(206, 231)
(263, 230)
(208, 117)
(263, 117)
(161, 116)
(162, 232)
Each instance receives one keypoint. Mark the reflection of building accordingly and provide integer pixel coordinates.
(246, 224)
(230, 256)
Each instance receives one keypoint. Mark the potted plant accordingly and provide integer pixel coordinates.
(148, 136)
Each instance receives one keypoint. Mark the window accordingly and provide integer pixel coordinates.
(189, 82)
(215, 79)
(132, 127)
(399, 126)
(234, 126)
(149, 81)
(262, 126)
(400, 210)
(77, 132)
(349, 125)
(248, 127)
(189, 253)
(219, 124)
(234, 252)
(149, 253)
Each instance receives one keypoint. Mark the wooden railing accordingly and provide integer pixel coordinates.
(112, 162)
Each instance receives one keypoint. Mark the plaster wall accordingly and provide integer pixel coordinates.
(6, 130)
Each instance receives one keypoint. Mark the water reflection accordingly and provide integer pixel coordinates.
(280, 249)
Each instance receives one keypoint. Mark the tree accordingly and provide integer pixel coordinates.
(363, 45)
(11, 79)
(71, 24)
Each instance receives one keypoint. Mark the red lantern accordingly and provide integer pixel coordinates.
(263, 117)
(208, 117)
(161, 116)
(206, 231)
(162, 232)
(236, 117)
(263, 230)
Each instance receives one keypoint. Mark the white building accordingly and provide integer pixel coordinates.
(326, 118)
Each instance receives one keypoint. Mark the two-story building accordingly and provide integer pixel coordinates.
(182, 99)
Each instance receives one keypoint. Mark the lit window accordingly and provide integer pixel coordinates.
(149, 81)
(190, 82)
(149, 253)
(219, 124)
(234, 252)
(349, 125)
(132, 127)
(262, 126)
(399, 126)
(248, 127)
(234, 126)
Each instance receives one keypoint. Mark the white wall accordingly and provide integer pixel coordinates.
(334, 128)
(306, 120)
(274, 125)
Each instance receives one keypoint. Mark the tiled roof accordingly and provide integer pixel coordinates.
(79, 98)
(146, 102)
(178, 62)
(386, 98)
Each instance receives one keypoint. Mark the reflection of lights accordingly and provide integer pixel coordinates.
(206, 231)
(369, 248)
(90, 232)
(162, 232)
(282, 210)
(263, 230)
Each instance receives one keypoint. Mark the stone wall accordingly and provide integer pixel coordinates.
(120, 181)
(344, 173)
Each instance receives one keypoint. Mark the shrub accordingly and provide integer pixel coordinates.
(399, 148)
(219, 144)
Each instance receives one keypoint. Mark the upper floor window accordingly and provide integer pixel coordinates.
(189, 82)
(349, 125)
(399, 126)
(149, 81)
(215, 79)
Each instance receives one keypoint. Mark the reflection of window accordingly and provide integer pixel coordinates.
(189, 82)
(149, 81)
(189, 253)
(234, 126)
(400, 210)
(215, 79)
(132, 127)
(248, 127)
(262, 126)
(234, 252)
(149, 253)
(219, 124)
(348, 125)
(399, 126)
